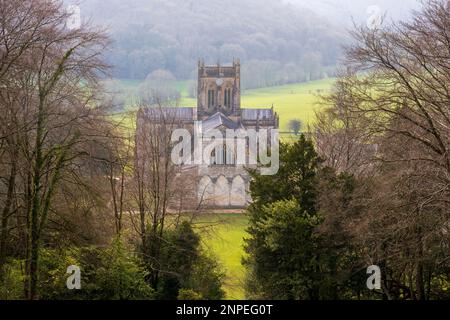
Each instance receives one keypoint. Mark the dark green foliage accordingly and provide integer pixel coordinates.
(178, 254)
(119, 276)
(106, 274)
(188, 294)
(294, 180)
(282, 247)
(206, 278)
(296, 250)
(283, 251)
(11, 286)
(182, 265)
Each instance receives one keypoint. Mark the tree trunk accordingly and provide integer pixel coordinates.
(5, 216)
(420, 281)
(33, 247)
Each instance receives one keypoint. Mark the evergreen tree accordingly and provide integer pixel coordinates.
(285, 255)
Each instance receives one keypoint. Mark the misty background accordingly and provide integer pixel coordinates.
(278, 41)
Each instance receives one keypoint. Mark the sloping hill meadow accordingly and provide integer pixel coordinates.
(293, 101)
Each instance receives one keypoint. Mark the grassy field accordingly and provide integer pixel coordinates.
(223, 234)
(293, 101)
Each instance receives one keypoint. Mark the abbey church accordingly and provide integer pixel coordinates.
(220, 183)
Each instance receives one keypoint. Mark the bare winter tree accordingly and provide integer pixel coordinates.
(120, 155)
(408, 81)
(49, 74)
(395, 96)
(295, 125)
(340, 135)
(159, 186)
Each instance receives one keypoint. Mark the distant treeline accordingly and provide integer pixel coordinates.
(277, 43)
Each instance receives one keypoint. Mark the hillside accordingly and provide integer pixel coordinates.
(345, 12)
(277, 43)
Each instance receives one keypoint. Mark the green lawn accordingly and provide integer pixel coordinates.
(293, 101)
(223, 234)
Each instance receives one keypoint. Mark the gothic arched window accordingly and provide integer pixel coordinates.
(211, 96)
(228, 98)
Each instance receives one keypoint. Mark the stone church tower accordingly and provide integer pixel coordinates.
(219, 90)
